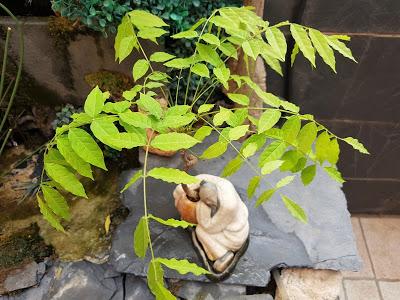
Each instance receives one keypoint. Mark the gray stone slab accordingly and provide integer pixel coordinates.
(136, 289)
(192, 290)
(277, 239)
(22, 278)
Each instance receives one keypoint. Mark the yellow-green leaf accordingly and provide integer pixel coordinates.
(183, 266)
(324, 50)
(188, 34)
(239, 98)
(268, 119)
(48, 215)
(141, 18)
(172, 222)
(271, 166)
(155, 281)
(201, 70)
(222, 73)
(161, 56)
(334, 173)
(306, 137)
(265, 196)
(205, 108)
(172, 175)
(140, 68)
(340, 47)
(141, 237)
(94, 102)
(295, 51)
(294, 209)
(303, 41)
(273, 151)
(85, 146)
(136, 119)
(308, 174)
(291, 128)
(202, 133)
(173, 141)
(232, 166)
(238, 132)
(65, 178)
(210, 39)
(284, 181)
(150, 105)
(215, 150)
(253, 185)
(56, 202)
(277, 40)
(356, 145)
(131, 181)
(208, 54)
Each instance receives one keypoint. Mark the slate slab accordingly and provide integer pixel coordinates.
(84, 280)
(277, 239)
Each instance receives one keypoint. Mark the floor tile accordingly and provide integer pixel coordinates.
(366, 271)
(361, 289)
(342, 292)
(390, 290)
(382, 236)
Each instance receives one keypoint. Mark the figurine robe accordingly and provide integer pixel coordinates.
(222, 217)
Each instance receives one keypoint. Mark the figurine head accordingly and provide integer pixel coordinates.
(208, 193)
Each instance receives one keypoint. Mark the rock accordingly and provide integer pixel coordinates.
(76, 280)
(251, 297)
(136, 289)
(192, 290)
(276, 238)
(305, 284)
(22, 278)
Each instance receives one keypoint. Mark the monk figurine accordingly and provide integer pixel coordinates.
(221, 216)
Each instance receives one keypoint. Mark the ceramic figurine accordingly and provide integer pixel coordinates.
(221, 234)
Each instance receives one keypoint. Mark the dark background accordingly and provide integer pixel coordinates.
(362, 100)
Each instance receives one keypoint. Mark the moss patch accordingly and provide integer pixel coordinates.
(114, 82)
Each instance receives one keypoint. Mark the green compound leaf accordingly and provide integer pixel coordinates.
(238, 132)
(48, 215)
(135, 119)
(222, 73)
(155, 281)
(268, 119)
(277, 40)
(239, 98)
(208, 54)
(131, 181)
(210, 39)
(141, 237)
(130, 94)
(232, 166)
(126, 46)
(294, 209)
(228, 49)
(222, 116)
(301, 37)
(251, 48)
(273, 151)
(140, 68)
(172, 175)
(356, 145)
(324, 50)
(150, 105)
(334, 173)
(284, 181)
(54, 156)
(116, 107)
(295, 51)
(308, 174)
(340, 47)
(65, 178)
(188, 34)
(172, 222)
(150, 33)
(125, 30)
(253, 185)
(178, 63)
(271, 166)
(94, 102)
(201, 70)
(306, 137)
(141, 18)
(215, 150)
(205, 108)
(161, 56)
(182, 266)
(326, 149)
(85, 146)
(202, 133)
(56, 202)
(177, 110)
(173, 141)
(265, 196)
(291, 128)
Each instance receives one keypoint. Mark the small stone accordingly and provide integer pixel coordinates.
(306, 284)
(136, 289)
(192, 290)
(22, 278)
(251, 297)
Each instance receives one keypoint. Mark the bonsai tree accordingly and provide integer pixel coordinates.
(298, 145)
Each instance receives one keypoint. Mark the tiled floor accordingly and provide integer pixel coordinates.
(378, 242)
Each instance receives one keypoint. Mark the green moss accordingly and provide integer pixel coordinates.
(23, 246)
(114, 82)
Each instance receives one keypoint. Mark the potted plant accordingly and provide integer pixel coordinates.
(72, 153)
